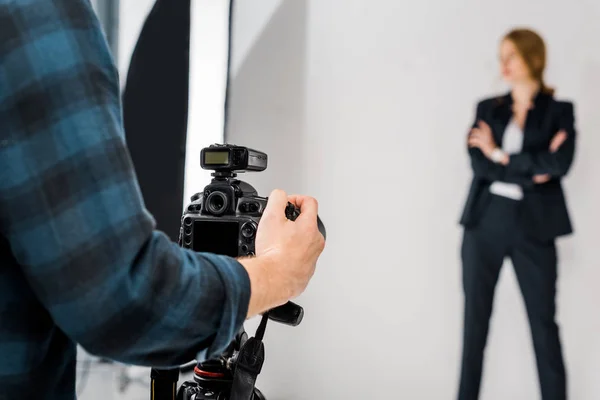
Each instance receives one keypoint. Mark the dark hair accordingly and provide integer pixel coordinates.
(532, 49)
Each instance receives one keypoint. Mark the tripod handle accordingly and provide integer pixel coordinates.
(289, 314)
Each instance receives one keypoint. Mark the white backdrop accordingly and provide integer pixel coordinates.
(365, 105)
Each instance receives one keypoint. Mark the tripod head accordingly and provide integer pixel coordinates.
(230, 377)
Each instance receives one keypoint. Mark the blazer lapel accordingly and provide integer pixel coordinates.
(535, 120)
(503, 113)
(501, 117)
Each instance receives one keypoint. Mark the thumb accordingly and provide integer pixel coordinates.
(276, 205)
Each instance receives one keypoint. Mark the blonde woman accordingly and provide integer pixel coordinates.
(521, 145)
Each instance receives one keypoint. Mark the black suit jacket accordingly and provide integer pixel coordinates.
(544, 213)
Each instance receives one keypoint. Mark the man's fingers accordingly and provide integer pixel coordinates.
(309, 207)
(278, 200)
(276, 205)
(296, 200)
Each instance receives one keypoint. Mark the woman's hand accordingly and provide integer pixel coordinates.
(558, 141)
(482, 138)
(555, 144)
(539, 179)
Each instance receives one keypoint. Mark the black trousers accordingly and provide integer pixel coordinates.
(483, 251)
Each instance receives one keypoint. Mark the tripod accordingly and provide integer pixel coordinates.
(230, 377)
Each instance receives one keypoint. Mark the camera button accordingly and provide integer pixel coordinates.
(248, 230)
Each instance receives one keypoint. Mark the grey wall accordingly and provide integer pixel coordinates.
(365, 105)
(268, 101)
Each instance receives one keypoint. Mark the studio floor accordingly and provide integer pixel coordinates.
(101, 380)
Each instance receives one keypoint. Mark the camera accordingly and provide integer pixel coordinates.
(223, 219)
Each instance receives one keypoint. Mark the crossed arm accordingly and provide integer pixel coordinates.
(526, 168)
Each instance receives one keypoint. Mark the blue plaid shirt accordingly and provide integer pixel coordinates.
(80, 259)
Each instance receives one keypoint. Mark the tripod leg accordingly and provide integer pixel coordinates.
(163, 383)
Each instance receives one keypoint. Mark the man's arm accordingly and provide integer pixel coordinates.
(556, 164)
(71, 207)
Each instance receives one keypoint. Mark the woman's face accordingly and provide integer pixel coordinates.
(512, 65)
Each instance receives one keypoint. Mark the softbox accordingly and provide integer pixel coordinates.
(155, 110)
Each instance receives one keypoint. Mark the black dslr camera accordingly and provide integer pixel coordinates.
(223, 219)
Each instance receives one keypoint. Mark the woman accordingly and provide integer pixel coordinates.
(521, 146)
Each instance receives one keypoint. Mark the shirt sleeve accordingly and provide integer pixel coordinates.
(71, 207)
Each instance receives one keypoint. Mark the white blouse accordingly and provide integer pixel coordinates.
(512, 143)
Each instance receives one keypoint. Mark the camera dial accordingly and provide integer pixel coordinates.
(249, 230)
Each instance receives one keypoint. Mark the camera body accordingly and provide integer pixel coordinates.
(223, 219)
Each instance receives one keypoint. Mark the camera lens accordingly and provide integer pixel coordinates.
(217, 203)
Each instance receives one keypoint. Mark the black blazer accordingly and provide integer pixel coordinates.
(544, 213)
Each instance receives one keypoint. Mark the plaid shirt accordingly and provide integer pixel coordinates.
(80, 260)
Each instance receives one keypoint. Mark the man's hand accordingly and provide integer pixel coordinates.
(555, 144)
(286, 252)
(482, 138)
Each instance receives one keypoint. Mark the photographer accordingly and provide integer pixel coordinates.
(80, 260)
